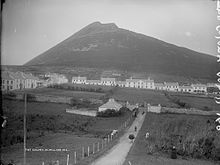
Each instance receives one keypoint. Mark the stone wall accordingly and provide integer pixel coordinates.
(154, 109)
(82, 112)
(191, 111)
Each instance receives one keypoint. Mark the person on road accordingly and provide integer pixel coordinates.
(135, 128)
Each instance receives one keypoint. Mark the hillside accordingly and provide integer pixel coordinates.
(110, 47)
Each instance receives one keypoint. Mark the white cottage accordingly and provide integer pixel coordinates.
(199, 88)
(79, 80)
(111, 104)
(171, 86)
(108, 81)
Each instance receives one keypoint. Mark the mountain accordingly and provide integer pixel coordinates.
(110, 47)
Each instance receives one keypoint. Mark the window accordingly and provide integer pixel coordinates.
(3, 81)
(10, 87)
(11, 82)
(7, 82)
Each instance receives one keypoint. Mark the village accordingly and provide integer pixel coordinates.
(20, 80)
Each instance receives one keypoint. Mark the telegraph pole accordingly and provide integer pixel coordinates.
(25, 133)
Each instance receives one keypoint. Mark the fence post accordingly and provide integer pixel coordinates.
(68, 158)
(88, 151)
(102, 143)
(108, 138)
(75, 157)
(42, 163)
(93, 147)
(82, 152)
(98, 146)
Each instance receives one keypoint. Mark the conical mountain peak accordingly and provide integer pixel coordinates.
(106, 46)
(96, 27)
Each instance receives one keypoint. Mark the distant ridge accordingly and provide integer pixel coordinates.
(110, 47)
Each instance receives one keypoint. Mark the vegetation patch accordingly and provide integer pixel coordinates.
(193, 137)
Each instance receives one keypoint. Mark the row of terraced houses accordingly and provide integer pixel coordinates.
(17, 80)
(20, 80)
(145, 84)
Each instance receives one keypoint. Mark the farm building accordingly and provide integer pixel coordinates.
(154, 109)
(130, 106)
(111, 104)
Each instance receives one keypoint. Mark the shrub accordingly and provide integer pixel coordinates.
(111, 112)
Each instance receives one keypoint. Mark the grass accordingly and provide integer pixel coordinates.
(132, 95)
(141, 96)
(203, 103)
(49, 126)
(67, 93)
(162, 126)
(49, 141)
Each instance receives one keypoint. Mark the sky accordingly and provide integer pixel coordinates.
(30, 27)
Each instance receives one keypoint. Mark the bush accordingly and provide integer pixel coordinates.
(111, 112)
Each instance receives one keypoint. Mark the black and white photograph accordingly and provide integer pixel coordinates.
(110, 82)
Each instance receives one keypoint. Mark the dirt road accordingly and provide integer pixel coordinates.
(117, 155)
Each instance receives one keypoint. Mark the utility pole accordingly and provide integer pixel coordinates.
(25, 112)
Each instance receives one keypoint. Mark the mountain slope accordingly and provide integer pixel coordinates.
(107, 46)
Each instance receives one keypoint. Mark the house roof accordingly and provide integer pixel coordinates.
(111, 104)
(136, 80)
(17, 75)
(171, 83)
(30, 76)
(7, 76)
(198, 85)
(212, 84)
(107, 79)
(121, 82)
(133, 80)
(79, 78)
(185, 87)
(93, 81)
(159, 85)
(130, 106)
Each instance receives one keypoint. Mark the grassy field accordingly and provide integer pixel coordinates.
(165, 131)
(61, 92)
(203, 103)
(134, 96)
(141, 96)
(49, 126)
(158, 97)
(67, 141)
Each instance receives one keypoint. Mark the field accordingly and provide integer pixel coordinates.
(203, 103)
(49, 126)
(167, 130)
(134, 96)
(67, 93)
(141, 96)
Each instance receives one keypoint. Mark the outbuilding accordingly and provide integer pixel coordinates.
(111, 104)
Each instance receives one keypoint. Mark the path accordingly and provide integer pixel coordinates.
(117, 155)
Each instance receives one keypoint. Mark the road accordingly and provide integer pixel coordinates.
(117, 155)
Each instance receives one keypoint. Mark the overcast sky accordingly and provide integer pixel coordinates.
(31, 27)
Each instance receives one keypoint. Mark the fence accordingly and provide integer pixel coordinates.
(78, 155)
